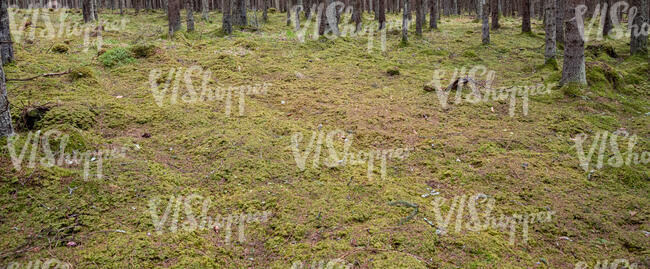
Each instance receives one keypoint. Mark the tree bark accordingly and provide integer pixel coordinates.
(189, 8)
(433, 14)
(86, 9)
(549, 19)
(638, 35)
(495, 14)
(239, 13)
(574, 51)
(227, 18)
(174, 16)
(6, 43)
(381, 8)
(405, 21)
(204, 10)
(525, 20)
(288, 2)
(419, 17)
(5, 117)
(265, 15)
(356, 15)
(559, 21)
(486, 23)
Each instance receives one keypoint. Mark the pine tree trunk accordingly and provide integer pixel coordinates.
(204, 10)
(381, 8)
(486, 23)
(405, 19)
(639, 35)
(606, 17)
(549, 19)
(296, 14)
(86, 10)
(479, 10)
(574, 50)
(6, 43)
(356, 15)
(121, 6)
(559, 21)
(433, 14)
(419, 17)
(525, 20)
(5, 117)
(494, 5)
(288, 12)
(240, 14)
(265, 15)
(174, 16)
(322, 18)
(227, 17)
(189, 8)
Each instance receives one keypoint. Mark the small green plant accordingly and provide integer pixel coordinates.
(116, 56)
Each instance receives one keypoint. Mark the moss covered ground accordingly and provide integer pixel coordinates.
(244, 163)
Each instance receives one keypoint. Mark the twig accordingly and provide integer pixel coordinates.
(42, 75)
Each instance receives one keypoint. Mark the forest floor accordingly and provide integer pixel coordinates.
(236, 158)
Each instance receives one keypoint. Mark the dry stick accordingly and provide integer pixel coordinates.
(42, 75)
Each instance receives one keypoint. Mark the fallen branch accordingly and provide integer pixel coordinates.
(41, 75)
(407, 204)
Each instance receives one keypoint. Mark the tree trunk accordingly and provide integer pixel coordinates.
(559, 21)
(265, 15)
(479, 10)
(606, 17)
(495, 14)
(121, 6)
(356, 15)
(174, 16)
(639, 35)
(486, 23)
(381, 8)
(419, 17)
(549, 19)
(240, 13)
(5, 117)
(574, 50)
(321, 17)
(296, 14)
(288, 2)
(525, 20)
(87, 10)
(227, 18)
(204, 10)
(433, 14)
(189, 8)
(6, 43)
(405, 21)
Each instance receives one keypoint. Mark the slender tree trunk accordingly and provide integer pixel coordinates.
(241, 18)
(288, 12)
(5, 117)
(574, 51)
(204, 10)
(296, 14)
(121, 6)
(606, 17)
(174, 16)
(559, 21)
(265, 15)
(639, 35)
(6, 43)
(322, 17)
(356, 15)
(189, 8)
(87, 10)
(479, 10)
(495, 14)
(381, 8)
(405, 21)
(525, 21)
(549, 20)
(419, 17)
(433, 14)
(227, 18)
(486, 23)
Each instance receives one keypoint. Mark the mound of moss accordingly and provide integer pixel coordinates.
(78, 116)
(602, 76)
(81, 72)
(60, 48)
(596, 50)
(115, 57)
(143, 51)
